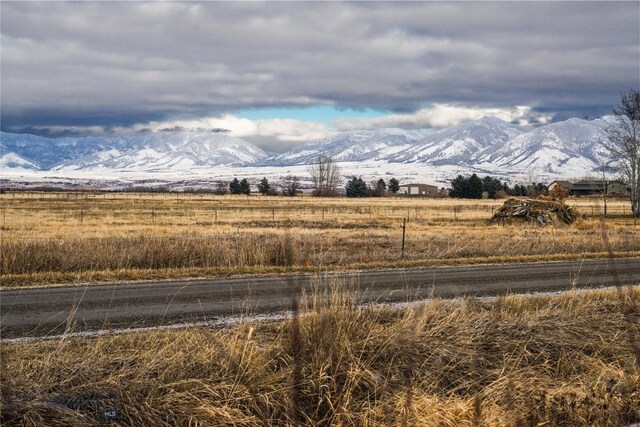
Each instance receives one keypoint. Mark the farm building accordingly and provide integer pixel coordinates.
(593, 187)
(419, 190)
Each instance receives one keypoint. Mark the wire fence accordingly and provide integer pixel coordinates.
(204, 211)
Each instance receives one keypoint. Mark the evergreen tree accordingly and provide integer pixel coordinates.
(244, 187)
(459, 187)
(394, 185)
(234, 186)
(264, 187)
(475, 187)
(491, 186)
(520, 190)
(356, 187)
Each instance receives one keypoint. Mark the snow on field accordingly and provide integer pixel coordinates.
(205, 177)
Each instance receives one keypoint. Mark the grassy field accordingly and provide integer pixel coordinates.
(81, 237)
(566, 360)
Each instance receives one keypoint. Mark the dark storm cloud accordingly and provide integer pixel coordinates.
(117, 63)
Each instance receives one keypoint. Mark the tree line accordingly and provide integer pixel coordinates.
(289, 186)
(474, 187)
(466, 187)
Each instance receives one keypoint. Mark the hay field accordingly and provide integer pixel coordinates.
(80, 237)
(565, 360)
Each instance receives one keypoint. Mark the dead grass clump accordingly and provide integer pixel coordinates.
(542, 211)
(517, 360)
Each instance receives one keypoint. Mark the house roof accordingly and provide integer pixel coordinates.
(588, 184)
(565, 184)
(417, 184)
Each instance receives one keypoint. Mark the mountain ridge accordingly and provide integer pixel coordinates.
(490, 143)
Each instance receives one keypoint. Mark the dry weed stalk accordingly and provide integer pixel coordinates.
(548, 359)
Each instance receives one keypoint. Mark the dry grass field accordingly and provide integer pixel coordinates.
(566, 360)
(84, 237)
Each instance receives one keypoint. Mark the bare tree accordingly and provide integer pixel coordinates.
(221, 188)
(603, 185)
(624, 144)
(290, 185)
(325, 176)
(532, 179)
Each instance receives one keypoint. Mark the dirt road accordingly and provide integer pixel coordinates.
(45, 311)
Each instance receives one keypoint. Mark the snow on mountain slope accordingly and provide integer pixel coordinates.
(157, 151)
(38, 151)
(459, 144)
(574, 144)
(351, 146)
(490, 145)
(47, 153)
(13, 161)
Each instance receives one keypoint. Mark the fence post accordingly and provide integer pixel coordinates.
(404, 229)
(153, 216)
(273, 214)
(81, 216)
(216, 221)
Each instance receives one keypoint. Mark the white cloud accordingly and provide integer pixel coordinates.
(442, 116)
(278, 133)
(286, 130)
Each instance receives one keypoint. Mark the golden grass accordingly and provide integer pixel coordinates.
(74, 237)
(516, 360)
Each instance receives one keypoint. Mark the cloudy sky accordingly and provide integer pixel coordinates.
(281, 73)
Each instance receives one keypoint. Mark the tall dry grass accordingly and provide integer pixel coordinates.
(515, 360)
(129, 236)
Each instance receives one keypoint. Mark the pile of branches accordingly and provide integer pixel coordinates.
(544, 211)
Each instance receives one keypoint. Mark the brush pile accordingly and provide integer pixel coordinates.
(545, 211)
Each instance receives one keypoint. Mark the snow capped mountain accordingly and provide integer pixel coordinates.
(458, 145)
(49, 153)
(149, 152)
(574, 144)
(379, 144)
(13, 161)
(564, 149)
(170, 151)
(31, 149)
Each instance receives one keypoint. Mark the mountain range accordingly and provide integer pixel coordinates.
(567, 148)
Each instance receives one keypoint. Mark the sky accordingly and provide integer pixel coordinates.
(281, 73)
